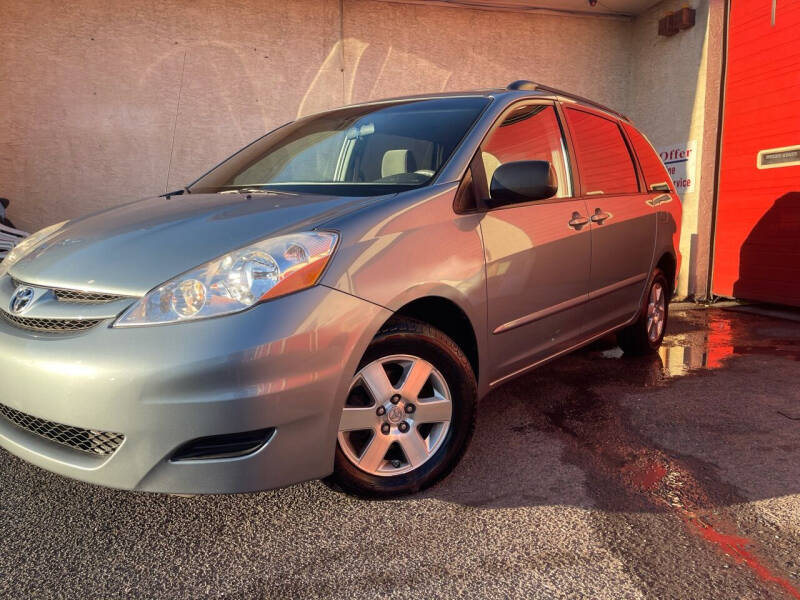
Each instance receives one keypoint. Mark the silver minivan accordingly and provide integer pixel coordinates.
(333, 299)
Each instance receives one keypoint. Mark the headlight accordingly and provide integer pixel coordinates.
(236, 281)
(27, 245)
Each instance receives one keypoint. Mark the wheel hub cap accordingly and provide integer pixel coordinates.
(396, 414)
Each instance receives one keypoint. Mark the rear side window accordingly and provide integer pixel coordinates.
(652, 167)
(531, 132)
(602, 155)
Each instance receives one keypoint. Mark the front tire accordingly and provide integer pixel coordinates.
(409, 415)
(647, 333)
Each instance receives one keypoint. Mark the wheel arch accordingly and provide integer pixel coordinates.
(447, 316)
(669, 265)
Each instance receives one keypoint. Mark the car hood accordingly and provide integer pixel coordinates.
(131, 249)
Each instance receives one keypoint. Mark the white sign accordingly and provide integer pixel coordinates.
(681, 161)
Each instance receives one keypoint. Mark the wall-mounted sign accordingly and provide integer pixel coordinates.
(779, 157)
(680, 161)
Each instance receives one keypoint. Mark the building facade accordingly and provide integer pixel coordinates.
(105, 100)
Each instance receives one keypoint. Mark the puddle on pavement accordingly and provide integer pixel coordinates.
(579, 399)
(699, 339)
(706, 338)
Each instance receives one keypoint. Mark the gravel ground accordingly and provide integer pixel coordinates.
(597, 476)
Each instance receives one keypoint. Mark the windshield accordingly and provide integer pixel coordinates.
(360, 150)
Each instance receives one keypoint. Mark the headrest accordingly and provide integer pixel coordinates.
(396, 162)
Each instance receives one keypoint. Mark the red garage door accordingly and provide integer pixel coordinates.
(757, 244)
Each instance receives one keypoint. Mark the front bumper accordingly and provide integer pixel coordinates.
(285, 364)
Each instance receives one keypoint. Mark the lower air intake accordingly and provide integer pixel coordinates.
(49, 325)
(86, 440)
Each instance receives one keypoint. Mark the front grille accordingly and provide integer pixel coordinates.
(85, 440)
(78, 297)
(50, 325)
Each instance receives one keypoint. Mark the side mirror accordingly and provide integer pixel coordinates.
(522, 181)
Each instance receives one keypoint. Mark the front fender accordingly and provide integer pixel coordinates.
(414, 247)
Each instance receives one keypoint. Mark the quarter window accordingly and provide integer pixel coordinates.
(530, 132)
(652, 167)
(602, 155)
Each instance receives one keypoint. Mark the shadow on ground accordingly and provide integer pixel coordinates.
(720, 390)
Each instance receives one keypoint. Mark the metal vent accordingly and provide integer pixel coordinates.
(86, 440)
(78, 297)
(50, 325)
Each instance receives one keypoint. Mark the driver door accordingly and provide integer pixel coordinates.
(537, 253)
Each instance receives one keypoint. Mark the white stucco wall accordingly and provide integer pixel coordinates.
(104, 102)
(667, 100)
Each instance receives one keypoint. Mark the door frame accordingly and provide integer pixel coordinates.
(479, 179)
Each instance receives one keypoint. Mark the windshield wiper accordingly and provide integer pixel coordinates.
(180, 192)
(251, 190)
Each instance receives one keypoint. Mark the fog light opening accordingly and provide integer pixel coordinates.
(232, 445)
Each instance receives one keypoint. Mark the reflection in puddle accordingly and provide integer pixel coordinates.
(701, 339)
(706, 348)
(598, 428)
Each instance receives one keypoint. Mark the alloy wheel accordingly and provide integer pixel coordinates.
(397, 415)
(656, 312)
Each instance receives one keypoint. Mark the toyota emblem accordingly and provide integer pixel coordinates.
(21, 300)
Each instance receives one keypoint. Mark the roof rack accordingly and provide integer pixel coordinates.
(524, 84)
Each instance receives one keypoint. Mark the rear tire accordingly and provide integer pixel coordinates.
(647, 333)
(409, 415)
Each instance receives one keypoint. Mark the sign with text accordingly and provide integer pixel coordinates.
(680, 161)
(788, 156)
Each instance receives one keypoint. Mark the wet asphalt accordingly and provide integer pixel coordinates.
(597, 476)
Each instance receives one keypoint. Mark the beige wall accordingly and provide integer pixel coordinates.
(674, 94)
(105, 101)
(89, 100)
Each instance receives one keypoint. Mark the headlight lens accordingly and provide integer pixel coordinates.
(236, 281)
(27, 245)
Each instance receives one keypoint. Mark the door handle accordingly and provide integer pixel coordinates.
(599, 216)
(577, 221)
(661, 199)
